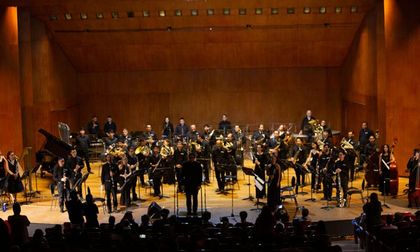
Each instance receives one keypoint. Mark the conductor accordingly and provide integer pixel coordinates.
(192, 174)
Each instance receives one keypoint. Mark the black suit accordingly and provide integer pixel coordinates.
(220, 159)
(110, 184)
(306, 128)
(82, 143)
(181, 131)
(192, 175)
(75, 176)
(62, 187)
(108, 127)
(225, 126)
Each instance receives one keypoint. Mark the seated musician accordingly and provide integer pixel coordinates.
(385, 159)
(326, 128)
(125, 140)
(274, 141)
(93, 126)
(193, 136)
(61, 178)
(208, 136)
(413, 166)
(306, 127)
(109, 179)
(74, 165)
(150, 135)
(14, 182)
(110, 140)
(225, 125)
(167, 129)
(110, 125)
(260, 136)
(180, 157)
(181, 130)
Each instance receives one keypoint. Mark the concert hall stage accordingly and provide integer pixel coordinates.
(40, 211)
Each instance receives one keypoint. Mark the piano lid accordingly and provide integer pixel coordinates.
(54, 145)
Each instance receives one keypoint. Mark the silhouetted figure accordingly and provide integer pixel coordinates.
(90, 211)
(75, 209)
(19, 226)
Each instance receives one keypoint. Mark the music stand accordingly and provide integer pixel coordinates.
(162, 170)
(312, 189)
(34, 171)
(28, 195)
(83, 181)
(249, 172)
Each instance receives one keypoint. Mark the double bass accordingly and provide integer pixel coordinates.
(393, 173)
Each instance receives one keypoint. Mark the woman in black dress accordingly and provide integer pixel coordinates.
(4, 167)
(14, 183)
(260, 158)
(274, 179)
(387, 157)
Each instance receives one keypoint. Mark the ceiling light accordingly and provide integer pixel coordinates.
(83, 16)
(99, 15)
(306, 10)
(114, 14)
(162, 13)
(242, 11)
(353, 9)
(146, 13)
(290, 10)
(194, 12)
(322, 10)
(178, 13)
(67, 16)
(274, 11)
(338, 9)
(258, 11)
(210, 12)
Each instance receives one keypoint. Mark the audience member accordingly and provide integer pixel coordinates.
(373, 210)
(264, 225)
(19, 226)
(75, 209)
(244, 223)
(388, 223)
(5, 239)
(206, 216)
(90, 211)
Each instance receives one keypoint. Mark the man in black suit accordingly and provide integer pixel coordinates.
(82, 145)
(61, 175)
(192, 174)
(181, 130)
(225, 125)
(93, 126)
(306, 127)
(110, 125)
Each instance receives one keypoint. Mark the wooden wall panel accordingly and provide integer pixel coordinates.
(10, 112)
(247, 96)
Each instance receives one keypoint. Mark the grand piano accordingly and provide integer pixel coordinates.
(52, 149)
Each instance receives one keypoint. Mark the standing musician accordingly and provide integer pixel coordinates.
(311, 164)
(192, 137)
(192, 176)
(364, 134)
(413, 167)
(93, 126)
(143, 154)
(203, 152)
(386, 157)
(306, 127)
(154, 174)
(220, 159)
(274, 183)
(326, 166)
(298, 155)
(230, 146)
(61, 178)
(240, 141)
(351, 154)
(208, 136)
(325, 139)
(180, 157)
(225, 125)
(132, 163)
(124, 173)
(4, 168)
(261, 160)
(181, 130)
(109, 179)
(150, 135)
(74, 165)
(370, 149)
(167, 152)
(167, 128)
(125, 140)
(342, 171)
(110, 125)
(82, 146)
(259, 136)
(14, 182)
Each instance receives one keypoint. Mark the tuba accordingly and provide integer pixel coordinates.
(346, 144)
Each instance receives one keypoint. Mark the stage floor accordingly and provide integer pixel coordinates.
(40, 210)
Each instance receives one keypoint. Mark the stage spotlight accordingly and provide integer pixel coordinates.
(194, 12)
(353, 9)
(146, 13)
(226, 11)
(178, 13)
(274, 11)
(338, 9)
(258, 11)
(210, 12)
(306, 10)
(83, 16)
(67, 16)
(242, 11)
(130, 14)
(322, 10)
(290, 10)
(53, 17)
(99, 15)
(114, 14)
(162, 13)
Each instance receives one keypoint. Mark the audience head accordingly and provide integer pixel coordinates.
(206, 216)
(89, 199)
(111, 220)
(243, 215)
(164, 213)
(374, 198)
(388, 219)
(145, 219)
(16, 208)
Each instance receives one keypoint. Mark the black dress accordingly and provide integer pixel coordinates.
(385, 176)
(260, 172)
(273, 191)
(14, 185)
